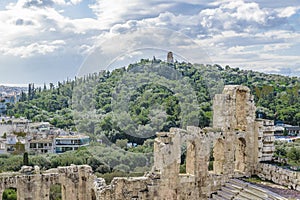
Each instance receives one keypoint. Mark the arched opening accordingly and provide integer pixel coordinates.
(219, 157)
(10, 194)
(93, 195)
(240, 155)
(55, 192)
(183, 156)
(211, 157)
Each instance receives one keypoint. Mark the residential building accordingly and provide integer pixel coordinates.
(40, 127)
(292, 130)
(286, 129)
(7, 99)
(41, 146)
(15, 144)
(70, 142)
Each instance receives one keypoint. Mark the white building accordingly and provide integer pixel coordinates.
(70, 142)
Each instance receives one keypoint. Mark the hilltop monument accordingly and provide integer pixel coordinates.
(170, 58)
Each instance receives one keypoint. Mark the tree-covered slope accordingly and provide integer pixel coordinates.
(152, 95)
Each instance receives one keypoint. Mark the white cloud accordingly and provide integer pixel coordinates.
(241, 33)
(119, 11)
(287, 12)
(45, 3)
(39, 3)
(37, 48)
(31, 31)
(276, 47)
(233, 32)
(74, 2)
(250, 12)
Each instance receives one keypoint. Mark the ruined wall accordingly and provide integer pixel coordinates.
(278, 175)
(233, 141)
(234, 109)
(124, 189)
(234, 114)
(76, 183)
(236, 141)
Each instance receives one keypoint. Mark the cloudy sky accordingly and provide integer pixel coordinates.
(50, 40)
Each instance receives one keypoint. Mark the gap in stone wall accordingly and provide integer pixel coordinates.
(219, 156)
(240, 155)
(10, 194)
(55, 192)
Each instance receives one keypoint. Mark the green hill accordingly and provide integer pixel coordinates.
(152, 95)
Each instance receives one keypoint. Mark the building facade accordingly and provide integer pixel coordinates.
(65, 143)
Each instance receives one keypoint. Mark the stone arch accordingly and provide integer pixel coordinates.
(240, 155)
(219, 156)
(183, 157)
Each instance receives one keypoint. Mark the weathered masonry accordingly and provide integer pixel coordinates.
(238, 142)
(76, 183)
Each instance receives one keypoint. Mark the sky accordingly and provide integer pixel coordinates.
(45, 41)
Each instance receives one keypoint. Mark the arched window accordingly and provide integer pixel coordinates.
(240, 155)
(219, 157)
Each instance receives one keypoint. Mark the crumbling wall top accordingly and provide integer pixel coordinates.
(229, 89)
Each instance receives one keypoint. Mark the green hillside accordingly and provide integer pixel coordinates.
(132, 99)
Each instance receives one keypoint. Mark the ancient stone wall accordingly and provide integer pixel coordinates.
(124, 189)
(234, 109)
(285, 177)
(237, 142)
(76, 183)
(234, 114)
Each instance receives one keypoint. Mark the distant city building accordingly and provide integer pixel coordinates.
(286, 129)
(170, 58)
(20, 135)
(70, 142)
(292, 130)
(41, 146)
(15, 144)
(40, 127)
(7, 99)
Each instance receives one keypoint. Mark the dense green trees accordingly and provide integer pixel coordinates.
(294, 155)
(289, 151)
(55, 192)
(9, 194)
(131, 104)
(25, 159)
(102, 158)
(147, 97)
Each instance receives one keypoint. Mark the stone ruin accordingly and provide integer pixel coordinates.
(237, 141)
(76, 183)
